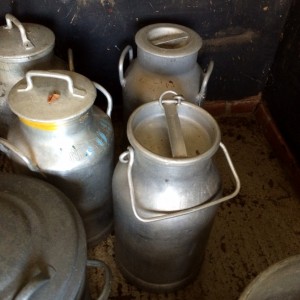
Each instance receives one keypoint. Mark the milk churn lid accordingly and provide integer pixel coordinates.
(167, 39)
(43, 248)
(23, 41)
(50, 96)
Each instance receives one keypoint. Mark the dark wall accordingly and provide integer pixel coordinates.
(241, 36)
(282, 92)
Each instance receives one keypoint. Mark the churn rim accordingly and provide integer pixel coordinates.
(167, 160)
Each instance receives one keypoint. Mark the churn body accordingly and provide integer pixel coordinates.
(71, 141)
(160, 231)
(25, 46)
(166, 60)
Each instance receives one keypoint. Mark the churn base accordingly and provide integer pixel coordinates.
(156, 287)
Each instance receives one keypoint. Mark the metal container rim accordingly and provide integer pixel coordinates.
(170, 160)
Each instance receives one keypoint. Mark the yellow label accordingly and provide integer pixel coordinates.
(39, 125)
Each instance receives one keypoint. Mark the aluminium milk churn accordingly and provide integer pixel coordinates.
(166, 190)
(166, 59)
(24, 46)
(61, 134)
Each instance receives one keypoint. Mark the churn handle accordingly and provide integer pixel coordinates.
(127, 49)
(11, 19)
(202, 94)
(6, 146)
(108, 97)
(163, 216)
(107, 275)
(74, 91)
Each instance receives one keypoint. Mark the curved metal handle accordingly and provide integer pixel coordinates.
(107, 277)
(25, 41)
(202, 94)
(108, 97)
(6, 146)
(34, 284)
(175, 133)
(123, 158)
(127, 49)
(74, 91)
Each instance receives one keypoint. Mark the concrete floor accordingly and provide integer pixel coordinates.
(256, 229)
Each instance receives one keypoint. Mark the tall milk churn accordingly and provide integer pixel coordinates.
(166, 190)
(23, 47)
(166, 59)
(61, 134)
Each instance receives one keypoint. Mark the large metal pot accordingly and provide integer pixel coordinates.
(166, 59)
(23, 47)
(279, 281)
(62, 135)
(43, 247)
(166, 189)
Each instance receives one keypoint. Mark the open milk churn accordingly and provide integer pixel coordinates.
(166, 190)
(166, 59)
(43, 246)
(61, 134)
(24, 46)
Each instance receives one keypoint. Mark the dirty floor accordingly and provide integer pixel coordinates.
(256, 229)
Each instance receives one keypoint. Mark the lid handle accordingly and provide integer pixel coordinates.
(74, 91)
(35, 283)
(11, 19)
(176, 138)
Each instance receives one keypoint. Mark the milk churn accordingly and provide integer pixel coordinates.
(23, 47)
(166, 59)
(61, 134)
(166, 190)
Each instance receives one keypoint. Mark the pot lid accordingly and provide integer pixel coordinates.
(43, 248)
(167, 39)
(24, 41)
(51, 96)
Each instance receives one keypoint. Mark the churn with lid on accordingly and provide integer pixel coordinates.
(24, 46)
(63, 136)
(166, 59)
(166, 190)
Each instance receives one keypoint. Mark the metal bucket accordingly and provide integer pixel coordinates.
(166, 189)
(279, 281)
